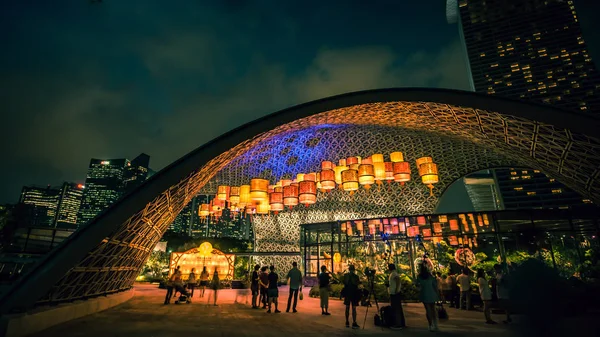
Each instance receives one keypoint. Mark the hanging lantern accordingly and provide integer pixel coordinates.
(401, 172)
(204, 210)
(350, 180)
(389, 171)
(338, 173)
(437, 227)
(352, 161)
(328, 180)
(285, 182)
(480, 220)
(217, 205)
(307, 192)
(453, 224)
(326, 165)
(366, 174)
(343, 227)
(429, 175)
(421, 220)
(396, 157)
(290, 195)
(258, 189)
(223, 192)
(377, 158)
(245, 196)
(234, 195)
(423, 160)
(443, 218)
(486, 221)
(310, 177)
(337, 258)
(205, 249)
(276, 199)
(262, 207)
(402, 227)
(299, 177)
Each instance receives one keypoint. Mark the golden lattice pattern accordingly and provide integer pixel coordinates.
(573, 159)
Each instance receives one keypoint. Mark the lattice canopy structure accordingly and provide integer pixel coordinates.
(464, 131)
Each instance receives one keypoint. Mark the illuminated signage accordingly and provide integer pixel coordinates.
(105, 162)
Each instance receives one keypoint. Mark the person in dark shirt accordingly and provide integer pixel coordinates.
(273, 291)
(263, 281)
(351, 294)
(254, 287)
(324, 278)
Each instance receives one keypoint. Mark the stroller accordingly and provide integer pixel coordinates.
(184, 296)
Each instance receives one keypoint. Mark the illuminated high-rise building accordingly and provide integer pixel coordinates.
(68, 205)
(528, 49)
(136, 172)
(483, 191)
(103, 186)
(44, 203)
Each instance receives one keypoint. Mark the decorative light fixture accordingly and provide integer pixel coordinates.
(338, 172)
(204, 210)
(234, 195)
(276, 199)
(245, 196)
(307, 192)
(328, 179)
(337, 257)
(401, 171)
(262, 207)
(223, 192)
(429, 175)
(396, 157)
(290, 195)
(366, 173)
(205, 249)
(350, 180)
(389, 171)
(258, 189)
(453, 224)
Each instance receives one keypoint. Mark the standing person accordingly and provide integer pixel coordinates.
(351, 295)
(171, 285)
(203, 281)
(438, 279)
(464, 281)
(191, 282)
(396, 297)
(324, 279)
(454, 291)
(215, 284)
(295, 278)
(486, 295)
(263, 280)
(503, 292)
(428, 294)
(254, 287)
(273, 291)
(446, 289)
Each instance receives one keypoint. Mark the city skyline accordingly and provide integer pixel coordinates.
(168, 93)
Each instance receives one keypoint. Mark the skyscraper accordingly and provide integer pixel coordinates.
(107, 180)
(103, 186)
(483, 191)
(528, 49)
(44, 202)
(68, 205)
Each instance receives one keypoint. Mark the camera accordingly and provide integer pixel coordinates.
(369, 272)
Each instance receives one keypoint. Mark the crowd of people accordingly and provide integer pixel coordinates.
(433, 288)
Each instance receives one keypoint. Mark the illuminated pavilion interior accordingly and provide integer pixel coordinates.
(460, 132)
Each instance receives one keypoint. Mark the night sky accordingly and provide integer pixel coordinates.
(112, 80)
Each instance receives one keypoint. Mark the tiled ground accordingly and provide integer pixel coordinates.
(146, 316)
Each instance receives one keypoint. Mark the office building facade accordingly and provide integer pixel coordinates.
(44, 203)
(69, 203)
(530, 50)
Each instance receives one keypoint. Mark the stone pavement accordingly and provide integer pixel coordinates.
(145, 315)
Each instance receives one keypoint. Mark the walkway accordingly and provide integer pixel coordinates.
(146, 316)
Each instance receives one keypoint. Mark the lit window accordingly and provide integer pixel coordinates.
(518, 188)
(523, 172)
(526, 177)
(586, 201)
(514, 178)
(513, 173)
(494, 65)
(536, 171)
(531, 193)
(556, 190)
(552, 180)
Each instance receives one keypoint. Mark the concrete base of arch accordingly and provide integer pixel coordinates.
(42, 318)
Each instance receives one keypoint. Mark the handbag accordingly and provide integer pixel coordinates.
(442, 313)
(301, 295)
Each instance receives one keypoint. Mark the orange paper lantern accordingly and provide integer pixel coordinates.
(307, 192)
(290, 195)
(401, 171)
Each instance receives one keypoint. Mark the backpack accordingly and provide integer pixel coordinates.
(386, 316)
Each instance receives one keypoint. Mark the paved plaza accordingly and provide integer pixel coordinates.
(145, 315)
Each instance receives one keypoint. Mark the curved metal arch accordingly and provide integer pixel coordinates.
(106, 255)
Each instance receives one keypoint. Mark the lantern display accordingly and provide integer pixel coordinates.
(396, 157)
(328, 180)
(379, 171)
(423, 160)
(426, 233)
(443, 218)
(326, 165)
(366, 175)
(429, 175)
(437, 227)
(217, 205)
(486, 221)
(480, 220)
(395, 229)
(372, 229)
(337, 258)
(343, 227)
(453, 224)
(377, 158)
(276, 199)
(389, 171)
(464, 257)
(234, 195)
(359, 226)
(421, 220)
(205, 249)
(310, 177)
(401, 171)
(453, 241)
(402, 227)
(290, 195)
(299, 177)
(258, 189)
(307, 192)
(262, 207)
(350, 180)
(204, 210)
(352, 161)
(285, 182)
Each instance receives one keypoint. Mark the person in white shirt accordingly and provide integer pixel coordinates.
(396, 297)
(464, 282)
(486, 296)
